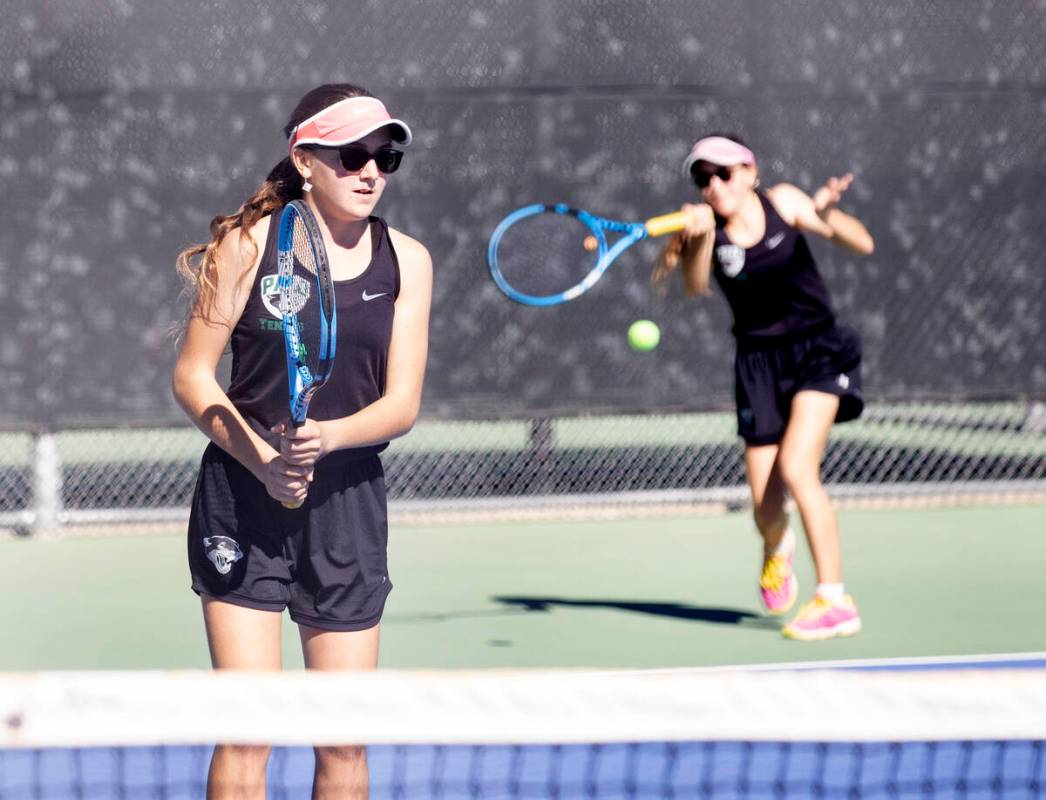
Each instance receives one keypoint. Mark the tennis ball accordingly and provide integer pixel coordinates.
(643, 335)
(590, 243)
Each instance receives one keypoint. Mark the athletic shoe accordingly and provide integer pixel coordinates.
(823, 619)
(778, 584)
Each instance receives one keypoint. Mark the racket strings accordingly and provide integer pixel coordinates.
(546, 254)
(310, 301)
(304, 253)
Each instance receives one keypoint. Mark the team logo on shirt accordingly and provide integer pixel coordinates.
(270, 294)
(732, 258)
(223, 552)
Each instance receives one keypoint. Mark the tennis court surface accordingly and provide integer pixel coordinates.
(633, 662)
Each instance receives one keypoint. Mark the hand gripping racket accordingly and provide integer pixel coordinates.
(544, 255)
(307, 306)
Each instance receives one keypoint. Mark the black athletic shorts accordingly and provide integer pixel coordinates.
(767, 377)
(325, 561)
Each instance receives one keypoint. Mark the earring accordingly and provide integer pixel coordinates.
(306, 186)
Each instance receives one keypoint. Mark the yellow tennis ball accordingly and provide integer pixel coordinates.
(643, 335)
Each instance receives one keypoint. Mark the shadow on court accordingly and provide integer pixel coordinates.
(517, 606)
(716, 616)
(447, 616)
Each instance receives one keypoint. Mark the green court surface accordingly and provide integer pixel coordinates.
(657, 592)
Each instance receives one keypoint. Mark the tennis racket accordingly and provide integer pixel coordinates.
(307, 306)
(544, 255)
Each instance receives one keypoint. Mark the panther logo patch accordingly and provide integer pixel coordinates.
(223, 552)
(270, 294)
(732, 258)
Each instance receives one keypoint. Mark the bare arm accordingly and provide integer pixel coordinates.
(394, 413)
(690, 250)
(820, 215)
(195, 385)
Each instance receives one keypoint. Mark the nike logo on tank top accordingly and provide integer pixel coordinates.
(774, 287)
(365, 308)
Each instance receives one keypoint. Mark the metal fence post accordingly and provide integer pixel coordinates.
(540, 456)
(47, 483)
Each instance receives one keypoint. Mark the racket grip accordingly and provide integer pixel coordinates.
(666, 223)
(292, 425)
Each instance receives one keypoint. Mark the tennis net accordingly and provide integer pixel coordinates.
(537, 734)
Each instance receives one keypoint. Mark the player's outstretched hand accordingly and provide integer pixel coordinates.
(827, 197)
(700, 219)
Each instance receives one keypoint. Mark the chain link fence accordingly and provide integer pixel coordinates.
(905, 452)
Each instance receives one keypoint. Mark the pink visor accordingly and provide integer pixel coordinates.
(720, 151)
(348, 121)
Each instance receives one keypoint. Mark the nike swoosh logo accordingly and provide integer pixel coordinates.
(775, 240)
(372, 296)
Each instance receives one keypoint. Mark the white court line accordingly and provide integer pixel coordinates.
(943, 662)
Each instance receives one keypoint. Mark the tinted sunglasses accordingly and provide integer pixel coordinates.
(702, 173)
(354, 157)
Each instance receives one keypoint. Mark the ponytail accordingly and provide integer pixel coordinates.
(692, 256)
(198, 264)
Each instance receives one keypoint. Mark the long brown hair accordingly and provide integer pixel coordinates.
(692, 256)
(198, 264)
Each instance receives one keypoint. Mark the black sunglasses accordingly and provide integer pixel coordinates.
(355, 157)
(702, 173)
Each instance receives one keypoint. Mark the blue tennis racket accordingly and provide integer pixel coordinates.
(307, 307)
(544, 255)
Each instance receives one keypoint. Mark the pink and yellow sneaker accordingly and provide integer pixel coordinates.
(778, 584)
(822, 618)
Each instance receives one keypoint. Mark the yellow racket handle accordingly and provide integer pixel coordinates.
(666, 223)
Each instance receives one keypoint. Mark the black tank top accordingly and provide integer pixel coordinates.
(774, 288)
(365, 307)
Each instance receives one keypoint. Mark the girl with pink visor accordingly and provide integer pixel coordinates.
(251, 557)
(796, 370)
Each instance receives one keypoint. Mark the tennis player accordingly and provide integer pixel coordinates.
(796, 370)
(250, 557)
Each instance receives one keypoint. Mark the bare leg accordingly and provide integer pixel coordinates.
(247, 639)
(799, 464)
(768, 493)
(777, 582)
(341, 772)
